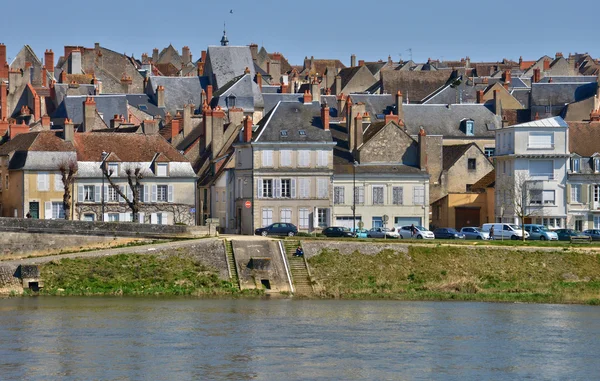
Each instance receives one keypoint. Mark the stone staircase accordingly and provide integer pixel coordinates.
(231, 260)
(300, 275)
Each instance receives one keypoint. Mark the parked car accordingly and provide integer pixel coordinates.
(474, 233)
(338, 231)
(361, 233)
(279, 228)
(505, 231)
(383, 233)
(594, 233)
(540, 232)
(570, 234)
(447, 233)
(420, 232)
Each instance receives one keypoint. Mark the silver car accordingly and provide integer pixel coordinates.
(383, 233)
(420, 232)
(474, 233)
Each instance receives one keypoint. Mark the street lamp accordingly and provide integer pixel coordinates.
(354, 194)
(104, 154)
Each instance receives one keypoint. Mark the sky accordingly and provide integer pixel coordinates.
(438, 29)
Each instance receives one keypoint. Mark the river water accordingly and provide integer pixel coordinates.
(106, 338)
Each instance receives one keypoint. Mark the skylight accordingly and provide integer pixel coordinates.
(302, 133)
(284, 133)
(143, 107)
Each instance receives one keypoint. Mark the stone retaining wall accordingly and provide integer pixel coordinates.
(314, 247)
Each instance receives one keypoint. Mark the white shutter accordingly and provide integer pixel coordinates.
(106, 192)
(541, 140)
(48, 210)
(277, 188)
(97, 193)
(153, 218)
(40, 182)
(259, 188)
(105, 217)
(308, 189)
(170, 193)
(141, 216)
(293, 187)
(58, 184)
(146, 193)
(80, 193)
(129, 216)
(121, 199)
(316, 217)
(165, 218)
(122, 217)
(154, 194)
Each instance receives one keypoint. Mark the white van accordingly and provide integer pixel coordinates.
(505, 231)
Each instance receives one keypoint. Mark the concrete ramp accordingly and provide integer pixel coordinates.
(260, 264)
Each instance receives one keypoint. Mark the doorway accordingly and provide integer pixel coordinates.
(579, 224)
(34, 209)
(466, 217)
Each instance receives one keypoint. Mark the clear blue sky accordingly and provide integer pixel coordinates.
(484, 30)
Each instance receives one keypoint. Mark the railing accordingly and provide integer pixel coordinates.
(540, 146)
(541, 176)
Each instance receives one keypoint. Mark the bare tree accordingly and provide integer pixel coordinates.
(522, 198)
(134, 175)
(68, 170)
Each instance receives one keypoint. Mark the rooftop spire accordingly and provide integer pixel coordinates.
(224, 40)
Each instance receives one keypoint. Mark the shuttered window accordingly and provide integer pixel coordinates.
(359, 195)
(43, 181)
(338, 195)
(541, 169)
(377, 195)
(398, 195)
(419, 195)
(303, 158)
(322, 186)
(267, 158)
(286, 158)
(540, 140)
(322, 158)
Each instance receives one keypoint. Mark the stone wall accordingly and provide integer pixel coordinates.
(267, 252)
(8, 281)
(210, 252)
(312, 248)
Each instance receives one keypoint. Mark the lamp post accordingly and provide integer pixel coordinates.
(354, 194)
(104, 153)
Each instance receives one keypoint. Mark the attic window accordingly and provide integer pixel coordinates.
(470, 128)
(143, 107)
(284, 133)
(302, 133)
(380, 116)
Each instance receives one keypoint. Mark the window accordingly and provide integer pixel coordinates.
(322, 158)
(470, 127)
(377, 195)
(359, 195)
(161, 169)
(552, 223)
(43, 181)
(161, 193)
(303, 158)
(541, 169)
(548, 197)
(113, 217)
(112, 194)
(322, 188)
(540, 140)
(304, 188)
(267, 158)
(267, 217)
(303, 218)
(267, 188)
(322, 217)
(398, 195)
(58, 183)
(58, 210)
(377, 222)
(301, 132)
(472, 164)
(576, 193)
(286, 215)
(596, 222)
(596, 165)
(338, 195)
(88, 193)
(284, 133)
(575, 165)
(286, 158)
(489, 151)
(113, 169)
(286, 188)
(535, 196)
(419, 195)
(469, 187)
(596, 193)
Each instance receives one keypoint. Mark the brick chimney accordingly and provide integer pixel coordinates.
(75, 62)
(558, 55)
(175, 126)
(3, 100)
(17, 129)
(480, 96)
(247, 129)
(497, 103)
(338, 85)
(507, 76)
(37, 107)
(46, 122)
(353, 60)
(546, 64)
(259, 81)
(3, 126)
(325, 116)
(284, 88)
(89, 114)
(315, 91)
(3, 64)
(203, 56)
(200, 69)
(358, 131)
(236, 116)
(69, 130)
(361, 62)
(2, 53)
(155, 55)
(341, 101)
(186, 56)
(115, 122)
(49, 60)
(188, 111)
(207, 124)
(126, 82)
(399, 109)
(536, 75)
(150, 126)
(422, 149)
(253, 50)
(307, 97)
(391, 118)
(209, 94)
(160, 96)
(218, 121)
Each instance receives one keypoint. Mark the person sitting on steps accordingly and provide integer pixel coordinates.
(299, 252)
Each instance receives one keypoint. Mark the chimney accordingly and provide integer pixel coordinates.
(37, 108)
(155, 55)
(391, 118)
(247, 129)
(200, 69)
(325, 116)
(209, 94)
(558, 55)
(422, 149)
(389, 61)
(399, 109)
(236, 116)
(75, 62)
(254, 51)
(160, 96)
(315, 91)
(207, 116)
(546, 64)
(284, 88)
(49, 61)
(259, 81)
(537, 116)
(69, 130)
(188, 111)
(3, 126)
(338, 85)
(218, 121)
(353, 60)
(3, 64)
(2, 53)
(89, 111)
(268, 67)
(175, 127)
(150, 126)
(115, 122)
(507, 77)
(3, 101)
(536, 75)
(203, 56)
(44, 77)
(46, 122)
(341, 101)
(480, 96)
(497, 103)
(307, 97)
(595, 116)
(358, 131)
(361, 62)
(17, 129)
(185, 55)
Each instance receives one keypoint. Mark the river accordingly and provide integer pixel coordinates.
(112, 338)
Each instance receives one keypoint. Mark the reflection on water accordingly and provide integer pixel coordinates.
(193, 339)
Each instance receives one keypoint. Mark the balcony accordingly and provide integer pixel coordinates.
(540, 176)
(540, 146)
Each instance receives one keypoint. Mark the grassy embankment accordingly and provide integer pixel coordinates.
(134, 274)
(455, 273)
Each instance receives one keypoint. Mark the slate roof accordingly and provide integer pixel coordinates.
(62, 90)
(584, 138)
(292, 117)
(144, 103)
(245, 91)
(415, 85)
(522, 95)
(179, 91)
(451, 154)
(375, 104)
(446, 121)
(227, 62)
(487, 181)
(568, 79)
(554, 93)
(271, 100)
(107, 106)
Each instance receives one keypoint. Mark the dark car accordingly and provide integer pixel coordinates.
(447, 233)
(570, 235)
(338, 231)
(594, 233)
(279, 228)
